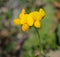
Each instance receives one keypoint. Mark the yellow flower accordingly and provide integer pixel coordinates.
(27, 20)
(30, 20)
(16, 21)
(25, 27)
(42, 12)
(37, 24)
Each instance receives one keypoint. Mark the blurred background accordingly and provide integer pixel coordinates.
(15, 43)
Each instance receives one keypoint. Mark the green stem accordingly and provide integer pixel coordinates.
(40, 45)
(38, 36)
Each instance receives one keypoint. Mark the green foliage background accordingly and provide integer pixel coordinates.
(47, 39)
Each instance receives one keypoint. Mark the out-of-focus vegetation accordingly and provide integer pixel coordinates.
(13, 40)
(2, 2)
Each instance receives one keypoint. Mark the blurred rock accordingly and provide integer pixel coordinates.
(3, 9)
(6, 23)
(37, 53)
(39, 2)
(54, 53)
(19, 35)
(4, 33)
(12, 4)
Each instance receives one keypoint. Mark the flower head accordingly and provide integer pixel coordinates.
(31, 19)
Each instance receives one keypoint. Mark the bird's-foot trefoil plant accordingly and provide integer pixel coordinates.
(28, 20)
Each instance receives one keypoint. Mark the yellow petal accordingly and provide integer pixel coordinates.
(16, 21)
(25, 27)
(22, 13)
(23, 19)
(37, 24)
(38, 17)
(42, 12)
(30, 20)
(35, 15)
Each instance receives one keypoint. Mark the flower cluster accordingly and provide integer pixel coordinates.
(31, 19)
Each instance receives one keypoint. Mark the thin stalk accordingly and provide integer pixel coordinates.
(40, 45)
(38, 36)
